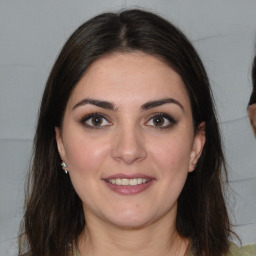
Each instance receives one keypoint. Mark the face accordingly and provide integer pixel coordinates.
(128, 139)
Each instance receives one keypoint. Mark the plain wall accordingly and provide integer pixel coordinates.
(31, 35)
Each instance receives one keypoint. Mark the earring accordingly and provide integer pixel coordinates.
(64, 166)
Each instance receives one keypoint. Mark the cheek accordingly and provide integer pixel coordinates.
(84, 156)
(172, 155)
(171, 161)
(85, 160)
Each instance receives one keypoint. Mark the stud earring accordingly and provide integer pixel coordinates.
(64, 167)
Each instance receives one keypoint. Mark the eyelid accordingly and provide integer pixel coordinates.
(85, 118)
(170, 119)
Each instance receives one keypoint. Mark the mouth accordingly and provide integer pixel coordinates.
(125, 185)
(128, 182)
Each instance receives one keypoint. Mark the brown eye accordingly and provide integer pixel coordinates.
(95, 120)
(161, 120)
(158, 121)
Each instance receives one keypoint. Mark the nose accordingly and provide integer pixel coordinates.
(129, 146)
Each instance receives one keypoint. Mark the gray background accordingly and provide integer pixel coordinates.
(31, 35)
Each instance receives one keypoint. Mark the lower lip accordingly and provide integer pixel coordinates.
(129, 190)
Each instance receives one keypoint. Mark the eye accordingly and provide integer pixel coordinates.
(161, 120)
(95, 120)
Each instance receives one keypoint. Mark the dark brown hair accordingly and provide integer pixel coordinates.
(53, 211)
(253, 95)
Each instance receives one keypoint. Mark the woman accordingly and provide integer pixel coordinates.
(252, 103)
(127, 152)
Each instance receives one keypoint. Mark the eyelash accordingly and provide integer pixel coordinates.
(90, 116)
(165, 116)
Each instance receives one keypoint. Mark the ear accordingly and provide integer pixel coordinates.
(59, 142)
(197, 147)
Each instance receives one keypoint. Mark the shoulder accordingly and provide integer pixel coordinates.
(247, 250)
(234, 250)
(27, 254)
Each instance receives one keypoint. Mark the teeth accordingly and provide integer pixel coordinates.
(118, 182)
(125, 182)
(140, 181)
(128, 182)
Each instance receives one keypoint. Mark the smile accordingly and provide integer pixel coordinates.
(124, 185)
(128, 182)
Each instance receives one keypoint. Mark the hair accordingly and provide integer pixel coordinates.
(53, 211)
(253, 95)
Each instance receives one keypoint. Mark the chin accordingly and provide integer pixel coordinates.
(129, 220)
(129, 224)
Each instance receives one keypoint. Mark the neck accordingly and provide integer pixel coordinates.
(159, 238)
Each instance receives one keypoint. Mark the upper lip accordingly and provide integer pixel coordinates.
(128, 176)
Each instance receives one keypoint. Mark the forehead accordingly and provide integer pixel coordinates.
(133, 76)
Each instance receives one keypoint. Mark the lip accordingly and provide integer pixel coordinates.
(128, 189)
(128, 176)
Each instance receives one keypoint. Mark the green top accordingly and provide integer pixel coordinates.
(234, 250)
(247, 250)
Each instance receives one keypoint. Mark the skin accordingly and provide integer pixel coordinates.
(129, 142)
(252, 116)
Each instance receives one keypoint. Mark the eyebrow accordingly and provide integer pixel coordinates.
(98, 103)
(157, 103)
(110, 106)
